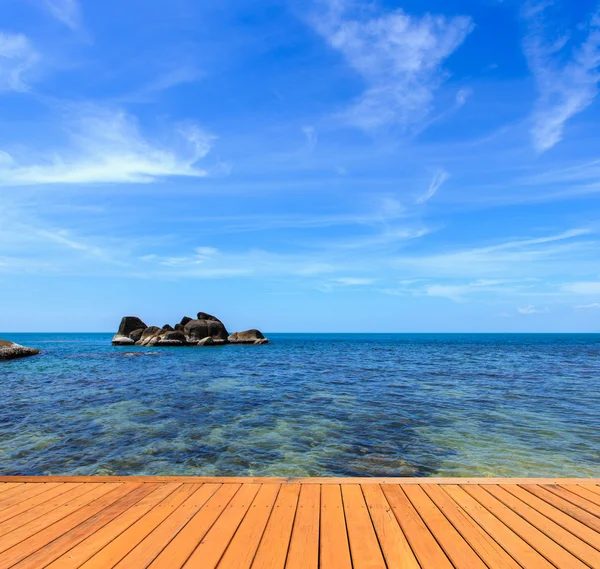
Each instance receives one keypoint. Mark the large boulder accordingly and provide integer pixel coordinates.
(150, 336)
(129, 325)
(12, 351)
(207, 326)
(248, 337)
(171, 338)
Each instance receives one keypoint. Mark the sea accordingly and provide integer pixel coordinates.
(305, 405)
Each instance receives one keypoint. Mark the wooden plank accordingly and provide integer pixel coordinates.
(15, 490)
(78, 514)
(78, 555)
(490, 552)
(518, 549)
(184, 543)
(32, 521)
(298, 480)
(273, 548)
(583, 492)
(5, 486)
(422, 542)
(527, 531)
(35, 501)
(393, 542)
(564, 520)
(29, 491)
(70, 538)
(565, 506)
(564, 538)
(211, 548)
(244, 544)
(304, 543)
(592, 488)
(150, 547)
(334, 546)
(456, 548)
(574, 498)
(364, 545)
(110, 555)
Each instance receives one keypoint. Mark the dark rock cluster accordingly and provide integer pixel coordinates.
(12, 351)
(204, 330)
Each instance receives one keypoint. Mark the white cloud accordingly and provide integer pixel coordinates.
(106, 146)
(66, 11)
(583, 288)
(312, 138)
(567, 75)
(438, 180)
(353, 281)
(587, 306)
(528, 310)
(17, 57)
(399, 56)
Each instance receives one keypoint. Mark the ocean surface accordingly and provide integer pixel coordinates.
(305, 405)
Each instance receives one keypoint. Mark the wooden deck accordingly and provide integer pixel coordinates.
(227, 523)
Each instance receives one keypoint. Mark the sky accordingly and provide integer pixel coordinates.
(309, 166)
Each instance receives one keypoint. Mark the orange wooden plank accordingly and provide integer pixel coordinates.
(364, 546)
(21, 527)
(574, 498)
(395, 546)
(422, 542)
(304, 543)
(29, 491)
(490, 552)
(148, 549)
(244, 544)
(5, 486)
(334, 546)
(564, 538)
(571, 524)
(527, 531)
(592, 488)
(32, 543)
(110, 555)
(456, 548)
(520, 550)
(14, 491)
(70, 538)
(273, 548)
(183, 544)
(35, 501)
(211, 548)
(79, 554)
(583, 492)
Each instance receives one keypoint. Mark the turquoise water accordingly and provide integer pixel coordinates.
(318, 405)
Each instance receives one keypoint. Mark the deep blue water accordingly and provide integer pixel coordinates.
(318, 404)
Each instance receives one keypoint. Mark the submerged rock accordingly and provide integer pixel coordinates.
(204, 330)
(12, 351)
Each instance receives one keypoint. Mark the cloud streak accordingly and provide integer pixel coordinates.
(66, 11)
(106, 146)
(567, 75)
(17, 58)
(400, 57)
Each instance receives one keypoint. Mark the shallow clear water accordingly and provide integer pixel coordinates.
(318, 405)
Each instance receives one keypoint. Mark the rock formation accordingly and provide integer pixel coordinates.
(248, 337)
(204, 330)
(12, 351)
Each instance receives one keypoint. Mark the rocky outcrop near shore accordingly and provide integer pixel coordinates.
(12, 351)
(204, 330)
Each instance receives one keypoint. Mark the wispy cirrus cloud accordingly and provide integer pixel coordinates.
(66, 11)
(439, 178)
(17, 58)
(566, 72)
(107, 146)
(530, 309)
(399, 56)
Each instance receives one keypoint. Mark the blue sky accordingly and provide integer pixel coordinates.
(326, 165)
